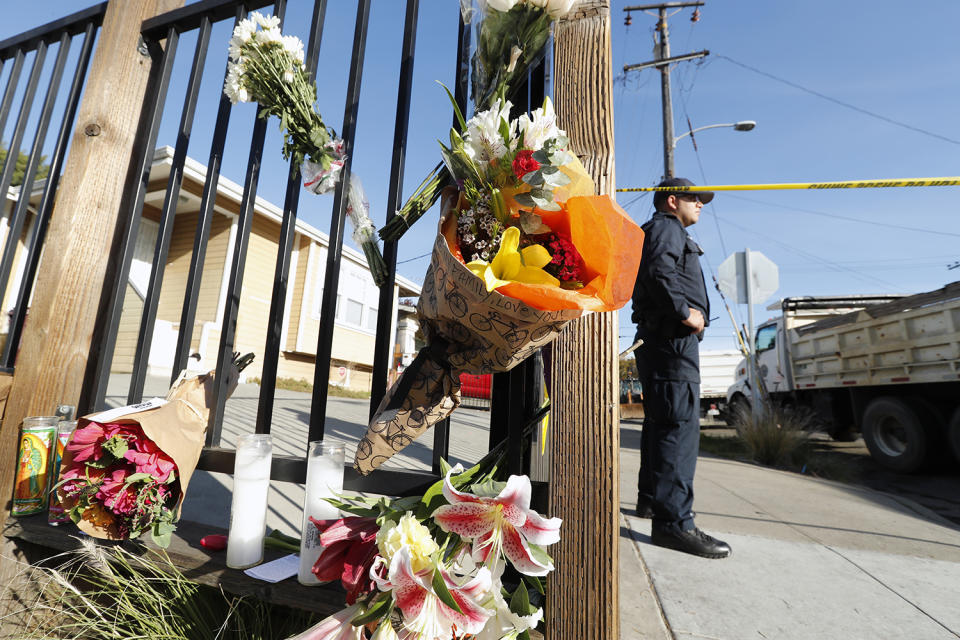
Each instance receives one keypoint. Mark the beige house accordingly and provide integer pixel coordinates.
(357, 300)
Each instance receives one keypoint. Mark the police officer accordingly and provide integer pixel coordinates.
(671, 310)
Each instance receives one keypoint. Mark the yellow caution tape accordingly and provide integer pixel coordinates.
(950, 181)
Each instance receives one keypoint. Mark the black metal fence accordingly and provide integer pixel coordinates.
(516, 400)
(60, 36)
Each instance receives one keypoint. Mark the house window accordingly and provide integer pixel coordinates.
(353, 313)
(371, 318)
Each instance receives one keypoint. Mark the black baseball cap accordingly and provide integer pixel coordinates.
(659, 197)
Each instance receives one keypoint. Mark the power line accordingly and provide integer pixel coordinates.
(412, 259)
(840, 102)
(811, 256)
(841, 217)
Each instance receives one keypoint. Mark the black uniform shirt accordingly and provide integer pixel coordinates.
(669, 282)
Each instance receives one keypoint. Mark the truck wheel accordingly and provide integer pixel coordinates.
(953, 433)
(894, 435)
(738, 411)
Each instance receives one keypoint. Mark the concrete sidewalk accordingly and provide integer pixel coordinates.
(811, 559)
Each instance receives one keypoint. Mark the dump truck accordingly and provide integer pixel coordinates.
(717, 368)
(887, 367)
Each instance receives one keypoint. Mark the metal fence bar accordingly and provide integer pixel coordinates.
(189, 17)
(231, 310)
(154, 98)
(16, 220)
(191, 294)
(441, 430)
(382, 355)
(268, 377)
(46, 201)
(168, 217)
(73, 24)
(12, 81)
(321, 375)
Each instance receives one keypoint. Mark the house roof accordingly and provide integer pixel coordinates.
(226, 188)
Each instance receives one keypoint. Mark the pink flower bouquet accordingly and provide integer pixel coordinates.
(125, 471)
(116, 479)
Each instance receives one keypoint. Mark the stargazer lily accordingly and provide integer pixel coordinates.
(505, 522)
(513, 265)
(424, 614)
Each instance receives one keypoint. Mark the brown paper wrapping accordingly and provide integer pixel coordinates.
(467, 330)
(178, 428)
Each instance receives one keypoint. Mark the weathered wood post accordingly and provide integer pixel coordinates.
(58, 332)
(585, 436)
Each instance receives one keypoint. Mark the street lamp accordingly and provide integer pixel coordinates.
(743, 125)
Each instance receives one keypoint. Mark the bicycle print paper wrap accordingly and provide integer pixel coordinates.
(467, 330)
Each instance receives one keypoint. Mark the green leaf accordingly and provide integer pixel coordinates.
(405, 504)
(444, 467)
(161, 533)
(488, 488)
(533, 178)
(525, 200)
(116, 446)
(456, 107)
(536, 582)
(377, 610)
(540, 554)
(557, 179)
(532, 224)
(499, 206)
(137, 477)
(520, 602)
(541, 156)
(432, 498)
(505, 131)
(441, 591)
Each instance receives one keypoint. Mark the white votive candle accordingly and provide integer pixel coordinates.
(248, 511)
(324, 478)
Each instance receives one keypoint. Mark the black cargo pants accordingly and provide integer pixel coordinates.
(670, 441)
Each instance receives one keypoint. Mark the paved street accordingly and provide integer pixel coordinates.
(812, 559)
(208, 500)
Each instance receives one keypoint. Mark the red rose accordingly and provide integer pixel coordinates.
(524, 164)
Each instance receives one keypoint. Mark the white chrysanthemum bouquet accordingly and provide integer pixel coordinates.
(267, 67)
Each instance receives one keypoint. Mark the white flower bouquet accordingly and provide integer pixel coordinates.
(511, 35)
(435, 567)
(267, 67)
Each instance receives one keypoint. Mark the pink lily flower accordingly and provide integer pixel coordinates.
(349, 549)
(424, 614)
(505, 523)
(86, 441)
(336, 627)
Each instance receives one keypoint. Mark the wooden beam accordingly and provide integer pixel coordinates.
(57, 335)
(583, 598)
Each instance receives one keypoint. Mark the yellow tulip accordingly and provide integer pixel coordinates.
(511, 265)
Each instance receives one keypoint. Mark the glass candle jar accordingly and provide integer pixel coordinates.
(324, 479)
(248, 510)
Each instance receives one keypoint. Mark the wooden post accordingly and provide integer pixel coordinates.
(585, 419)
(57, 335)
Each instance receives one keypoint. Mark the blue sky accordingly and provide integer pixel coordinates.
(879, 57)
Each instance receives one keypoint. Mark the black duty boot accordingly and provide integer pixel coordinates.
(644, 508)
(694, 541)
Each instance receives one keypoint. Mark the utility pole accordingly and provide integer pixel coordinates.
(663, 62)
